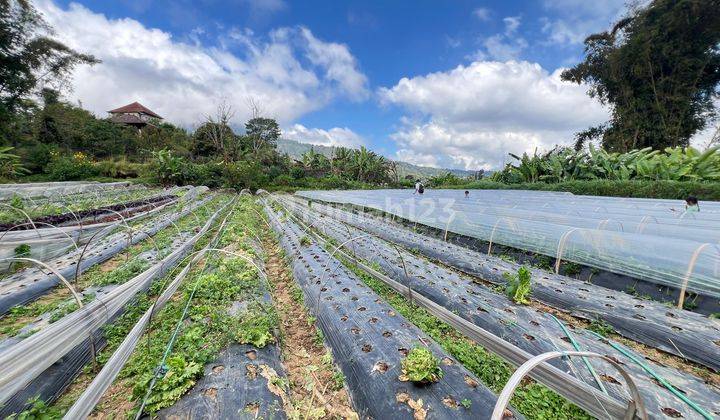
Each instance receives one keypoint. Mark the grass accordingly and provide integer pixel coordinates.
(531, 399)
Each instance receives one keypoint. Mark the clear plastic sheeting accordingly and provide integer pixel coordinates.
(51, 188)
(653, 240)
(24, 361)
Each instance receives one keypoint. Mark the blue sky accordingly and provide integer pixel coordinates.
(441, 83)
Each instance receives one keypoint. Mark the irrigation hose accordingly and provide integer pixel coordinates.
(159, 370)
(585, 360)
(652, 373)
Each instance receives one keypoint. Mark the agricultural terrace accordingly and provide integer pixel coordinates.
(119, 300)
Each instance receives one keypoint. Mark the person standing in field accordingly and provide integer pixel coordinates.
(467, 194)
(691, 205)
(419, 187)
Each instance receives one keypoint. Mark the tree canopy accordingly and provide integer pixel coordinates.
(29, 58)
(658, 69)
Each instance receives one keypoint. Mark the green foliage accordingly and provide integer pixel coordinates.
(571, 268)
(658, 69)
(565, 164)
(677, 190)
(421, 366)
(71, 168)
(601, 327)
(263, 133)
(257, 327)
(119, 168)
(446, 179)
(38, 410)
(518, 286)
(22, 250)
(181, 375)
(29, 57)
(10, 166)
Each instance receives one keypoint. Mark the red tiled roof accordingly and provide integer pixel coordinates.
(135, 107)
(127, 119)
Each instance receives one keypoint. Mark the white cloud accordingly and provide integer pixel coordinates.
(512, 23)
(472, 116)
(503, 46)
(284, 71)
(482, 13)
(574, 20)
(340, 66)
(499, 47)
(336, 136)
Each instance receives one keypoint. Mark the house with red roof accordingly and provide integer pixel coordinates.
(134, 114)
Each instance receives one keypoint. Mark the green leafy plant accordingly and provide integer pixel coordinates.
(466, 403)
(17, 202)
(178, 379)
(256, 328)
(22, 250)
(39, 410)
(601, 327)
(10, 166)
(518, 286)
(421, 366)
(571, 268)
(304, 241)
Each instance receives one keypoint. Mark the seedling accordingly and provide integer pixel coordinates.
(518, 286)
(421, 367)
(466, 403)
(304, 241)
(601, 327)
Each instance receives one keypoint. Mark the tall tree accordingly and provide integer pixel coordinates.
(29, 58)
(263, 132)
(658, 69)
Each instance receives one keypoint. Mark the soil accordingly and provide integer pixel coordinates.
(301, 350)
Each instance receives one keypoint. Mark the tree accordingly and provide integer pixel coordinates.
(658, 70)
(216, 136)
(315, 163)
(29, 58)
(263, 133)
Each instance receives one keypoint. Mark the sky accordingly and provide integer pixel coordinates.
(446, 83)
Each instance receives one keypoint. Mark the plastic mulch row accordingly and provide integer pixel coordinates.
(369, 340)
(30, 284)
(531, 330)
(683, 333)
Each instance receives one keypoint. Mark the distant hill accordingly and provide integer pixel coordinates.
(296, 149)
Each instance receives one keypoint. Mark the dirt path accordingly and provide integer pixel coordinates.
(316, 385)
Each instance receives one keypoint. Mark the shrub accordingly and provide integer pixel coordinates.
(71, 168)
(245, 174)
(421, 366)
(10, 167)
(675, 190)
(167, 168)
(119, 168)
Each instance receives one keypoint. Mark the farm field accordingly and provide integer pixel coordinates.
(121, 301)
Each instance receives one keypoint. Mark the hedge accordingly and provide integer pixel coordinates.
(639, 189)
